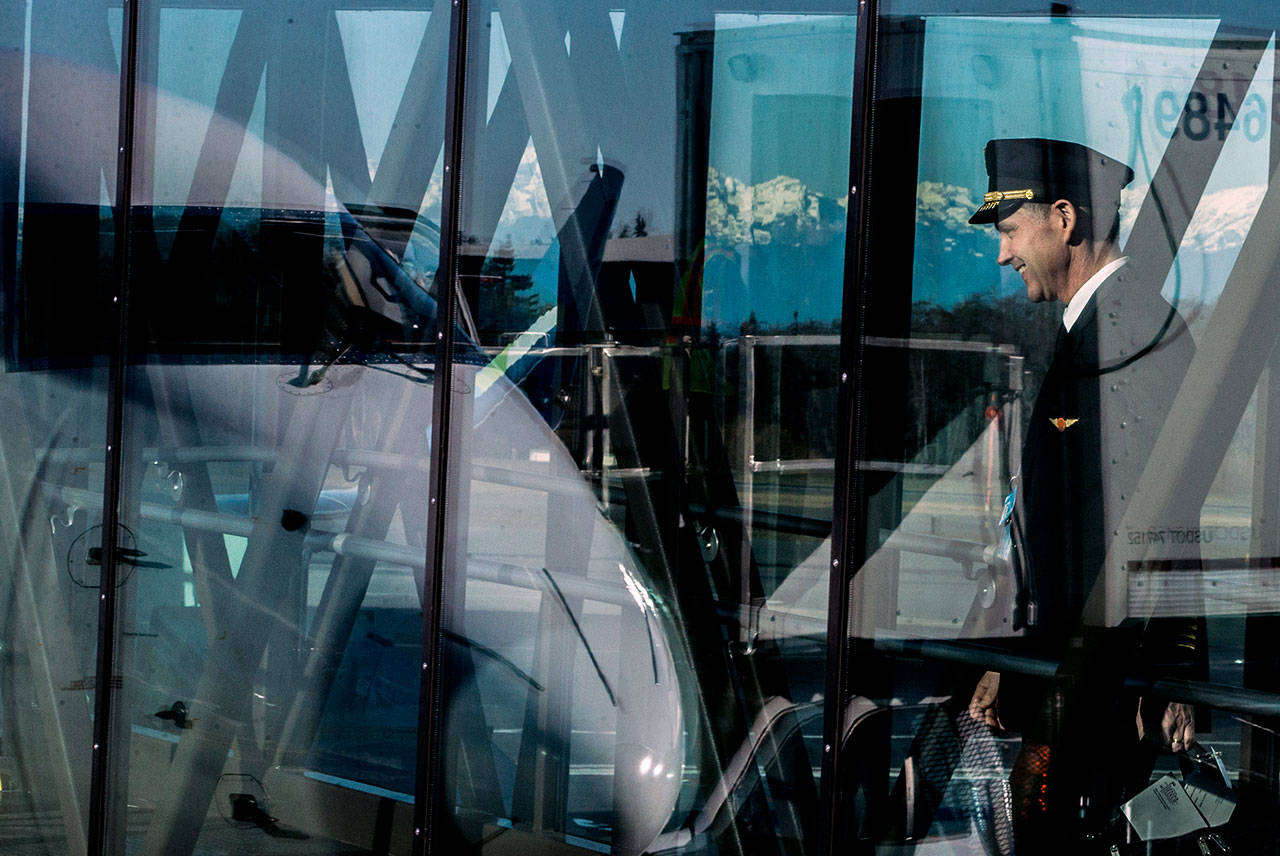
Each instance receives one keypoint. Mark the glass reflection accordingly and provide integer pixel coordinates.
(59, 85)
(646, 429)
(277, 430)
(1095, 616)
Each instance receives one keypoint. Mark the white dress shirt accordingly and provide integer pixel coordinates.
(1081, 298)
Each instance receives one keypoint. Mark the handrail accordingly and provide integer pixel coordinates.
(360, 547)
(1235, 699)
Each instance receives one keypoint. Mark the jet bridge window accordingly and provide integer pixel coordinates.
(59, 98)
(1067, 462)
(652, 252)
(275, 445)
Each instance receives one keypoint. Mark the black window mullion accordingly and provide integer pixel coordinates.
(428, 801)
(118, 313)
(847, 503)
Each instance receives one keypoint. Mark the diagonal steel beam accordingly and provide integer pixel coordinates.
(501, 145)
(237, 93)
(210, 565)
(44, 623)
(348, 580)
(313, 424)
(340, 136)
(1234, 349)
(1183, 174)
(552, 105)
(418, 130)
(294, 104)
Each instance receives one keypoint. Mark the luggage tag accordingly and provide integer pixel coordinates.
(1004, 550)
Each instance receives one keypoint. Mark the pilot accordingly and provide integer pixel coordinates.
(1119, 359)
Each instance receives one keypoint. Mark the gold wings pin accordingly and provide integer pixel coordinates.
(1062, 424)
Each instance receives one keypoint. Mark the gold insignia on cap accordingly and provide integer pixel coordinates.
(1002, 195)
(1062, 424)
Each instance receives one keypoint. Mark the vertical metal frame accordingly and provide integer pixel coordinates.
(1260, 750)
(848, 503)
(428, 790)
(99, 781)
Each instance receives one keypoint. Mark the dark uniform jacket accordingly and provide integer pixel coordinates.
(1092, 431)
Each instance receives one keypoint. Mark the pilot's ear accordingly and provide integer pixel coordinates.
(1064, 215)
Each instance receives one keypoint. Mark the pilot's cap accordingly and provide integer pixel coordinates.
(1038, 170)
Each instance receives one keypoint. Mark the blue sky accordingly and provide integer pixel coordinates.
(1116, 85)
(1113, 84)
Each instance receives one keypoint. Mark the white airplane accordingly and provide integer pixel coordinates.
(273, 564)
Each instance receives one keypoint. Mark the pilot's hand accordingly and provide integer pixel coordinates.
(982, 707)
(1177, 726)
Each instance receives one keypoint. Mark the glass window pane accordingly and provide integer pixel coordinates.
(1060, 595)
(276, 439)
(644, 411)
(59, 88)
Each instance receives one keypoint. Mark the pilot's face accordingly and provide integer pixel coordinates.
(1033, 241)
